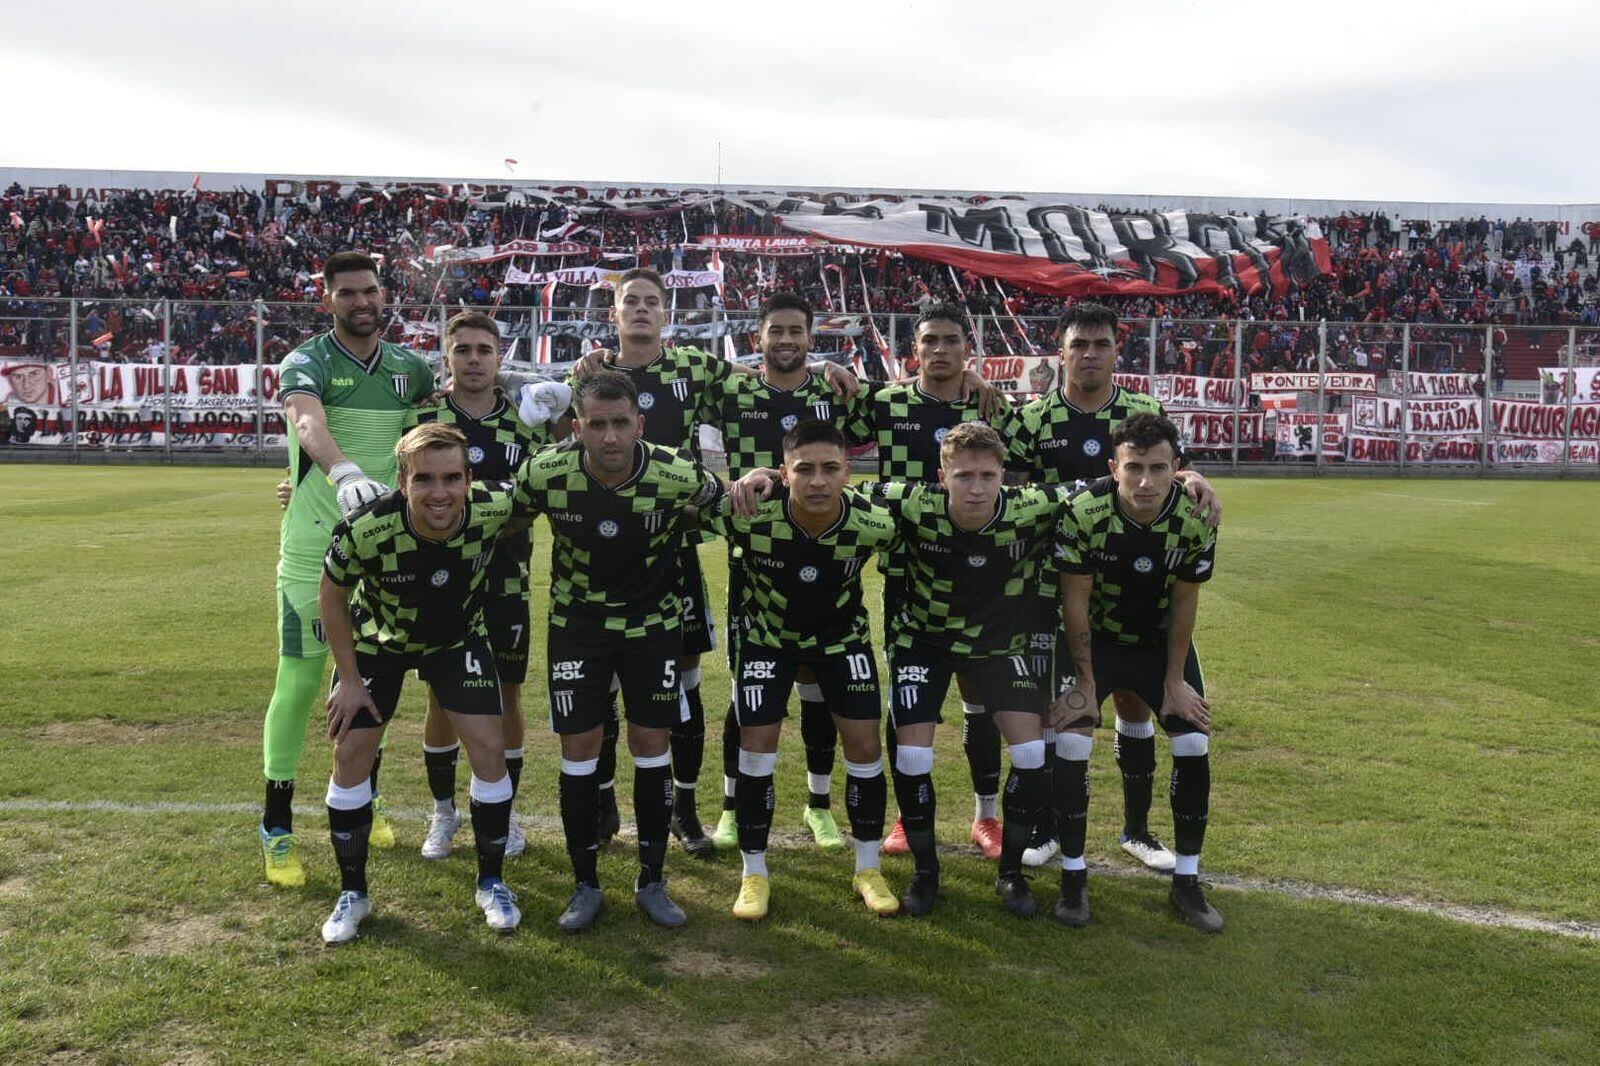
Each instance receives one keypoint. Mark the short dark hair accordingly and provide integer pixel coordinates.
(1144, 431)
(634, 274)
(605, 385)
(471, 320)
(785, 301)
(347, 263)
(944, 312)
(1086, 314)
(813, 431)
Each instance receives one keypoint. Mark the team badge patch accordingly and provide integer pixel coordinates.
(400, 383)
(1091, 447)
(608, 528)
(939, 434)
(977, 560)
(440, 578)
(1144, 564)
(789, 422)
(808, 574)
(647, 400)
(474, 455)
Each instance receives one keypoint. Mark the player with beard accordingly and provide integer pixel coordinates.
(1064, 438)
(346, 396)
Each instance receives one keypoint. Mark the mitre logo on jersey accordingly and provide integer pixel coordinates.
(680, 390)
(647, 400)
(789, 422)
(440, 578)
(1091, 447)
(344, 382)
(1144, 564)
(808, 574)
(474, 455)
(400, 383)
(608, 528)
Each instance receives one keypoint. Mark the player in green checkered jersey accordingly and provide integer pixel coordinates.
(909, 421)
(799, 560)
(972, 549)
(346, 394)
(498, 441)
(616, 507)
(401, 590)
(1134, 551)
(679, 389)
(1064, 438)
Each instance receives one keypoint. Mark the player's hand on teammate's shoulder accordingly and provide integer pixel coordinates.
(748, 493)
(1181, 699)
(845, 384)
(593, 362)
(991, 401)
(1204, 496)
(345, 704)
(354, 489)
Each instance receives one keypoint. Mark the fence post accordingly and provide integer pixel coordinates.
(1488, 409)
(1405, 392)
(1572, 376)
(1238, 396)
(72, 369)
(1322, 390)
(166, 377)
(261, 381)
(894, 339)
(983, 352)
(1150, 359)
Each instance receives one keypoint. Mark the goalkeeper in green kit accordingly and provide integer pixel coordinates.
(346, 394)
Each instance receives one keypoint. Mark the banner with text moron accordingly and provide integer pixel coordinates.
(1067, 250)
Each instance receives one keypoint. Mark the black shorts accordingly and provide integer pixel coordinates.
(581, 661)
(920, 677)
(1143, 671)
(763, 678)
(1047, 644)
(506, 619)
(462, 677)
(699, 630)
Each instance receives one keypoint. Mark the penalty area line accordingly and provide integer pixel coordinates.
(1464, 914)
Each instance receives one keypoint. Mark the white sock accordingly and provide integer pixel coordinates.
(1073, 863)
(728, 785)
(988, 806)
(867, 855)
(1188, 866)
(821, 784)
(755, 863)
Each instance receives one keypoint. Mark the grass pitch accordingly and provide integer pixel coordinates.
(1403, 675)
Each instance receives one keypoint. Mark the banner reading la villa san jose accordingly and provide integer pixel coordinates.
(1070, 251)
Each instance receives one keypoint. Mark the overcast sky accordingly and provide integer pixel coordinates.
(1394, 101)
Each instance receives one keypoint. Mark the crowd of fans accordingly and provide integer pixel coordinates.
(216, 252)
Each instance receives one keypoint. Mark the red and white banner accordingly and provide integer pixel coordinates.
(493, 253)
(1546, 451)
(1581, 383)
(606, 277)
(763, 244)
(1054, 247)
(1215, 430)
(1546, 421)
(1421, 384)
(1307, 382)
(1182, 390)
(1022, 375)
(1384, 414)
(1296, 434)
(1370, 449)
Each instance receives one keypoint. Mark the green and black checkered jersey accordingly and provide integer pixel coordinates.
(1133, 565)
(414, 595)
(963, 588)
(803, 593)
(1055, 443)
(753, 416)
(613, 556)
(497, 444)
(675, 394)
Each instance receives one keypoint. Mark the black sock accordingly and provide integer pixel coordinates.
(514, 768)
(441, 767)
(821, 736)
(278, 811)
(490, 824)
(580, 799)
(652, 810)
(730, 754)
(865, 799)
(1070, 781)
(689, 740)
(918, 808)
(1191, 801)
(756, 800)
(1044, 812)
(980, 738)
(1023, 796)
(1136, 758)
(377, 764)
(349, 831)
(606, 769)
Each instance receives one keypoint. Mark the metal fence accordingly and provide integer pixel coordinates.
(189, 378)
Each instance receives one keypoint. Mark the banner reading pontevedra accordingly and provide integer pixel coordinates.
(1058, 248)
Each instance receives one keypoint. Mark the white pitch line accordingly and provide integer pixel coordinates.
(1436, 499)
(1486, 917)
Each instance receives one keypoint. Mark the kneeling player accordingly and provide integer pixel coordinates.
(1134, 551)
(972, 549)
(799, 560)
(415, 559)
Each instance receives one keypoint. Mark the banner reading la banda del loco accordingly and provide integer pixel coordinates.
(1072, 251)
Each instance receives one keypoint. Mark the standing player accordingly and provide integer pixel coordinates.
(973, 548)
(497, 443)
(414, 563)
(909, 421)
(1134, 552)
(346, 395)
(615, 506)
(799, 559)
(1064, 438)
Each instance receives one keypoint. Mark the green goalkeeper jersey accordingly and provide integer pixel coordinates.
(367, 404)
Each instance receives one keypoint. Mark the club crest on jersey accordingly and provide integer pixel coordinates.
(939, 434)
(647, 400)
(1144, 564)
(299, 359)
(474, 455)
(977, 560)
(680, 390)
(400, 383)
(608, 528)
(822, 412)
(1174, 558)
(1091, 447)
(788, 422)
(808, 574)
(440, 578)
